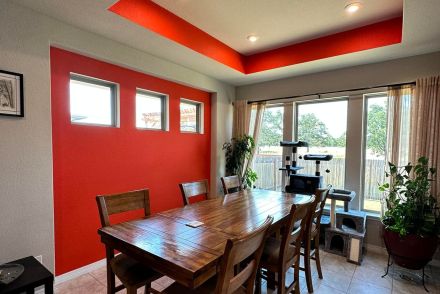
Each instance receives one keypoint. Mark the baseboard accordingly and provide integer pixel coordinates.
(79, 271)
(375, 249)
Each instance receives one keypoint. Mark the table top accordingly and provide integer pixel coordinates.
(191, 255)
(35, 274)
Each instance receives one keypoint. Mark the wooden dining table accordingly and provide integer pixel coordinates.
(191, 255)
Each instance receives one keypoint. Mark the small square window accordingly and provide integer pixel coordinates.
(191, 116)
(92, 101)
(151, 110)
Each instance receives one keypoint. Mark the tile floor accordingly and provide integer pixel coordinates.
(339, 277)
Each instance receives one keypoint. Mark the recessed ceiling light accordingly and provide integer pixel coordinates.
(353, 7)
(252, 38)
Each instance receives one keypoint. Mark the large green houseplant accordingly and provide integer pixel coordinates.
(237, 151)
(411, 220)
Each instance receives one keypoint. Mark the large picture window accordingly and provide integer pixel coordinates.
(92, 101)
(323, 124)
(375, 137)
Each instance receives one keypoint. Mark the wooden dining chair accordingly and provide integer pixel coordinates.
(312, 235)
(192, 189)
(132, 274)
(231, 184)
(279, 255)
(247, 247)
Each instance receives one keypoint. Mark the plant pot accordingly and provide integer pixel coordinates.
(411, 251)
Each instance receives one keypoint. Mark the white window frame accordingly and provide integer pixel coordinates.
(164, 109)
(114, 90)
(199, 115)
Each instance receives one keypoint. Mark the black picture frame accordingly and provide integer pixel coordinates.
(11, 94)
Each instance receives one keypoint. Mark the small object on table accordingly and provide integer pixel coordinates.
(194, 224)
(9, 272)
(34, 275)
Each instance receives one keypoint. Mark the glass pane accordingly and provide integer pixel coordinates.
(90, 103)
(376, 137)
(188, 117)
(324, 125)
(268, 158)
(148, 111)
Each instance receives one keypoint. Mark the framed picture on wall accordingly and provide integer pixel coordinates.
(11, 94)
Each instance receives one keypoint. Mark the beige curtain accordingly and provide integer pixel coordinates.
(247, 121)
(399, 105)
(257, 111)
(425, 125)
(241, 119)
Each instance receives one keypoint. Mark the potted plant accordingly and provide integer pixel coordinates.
(411, 221)
(237, 152)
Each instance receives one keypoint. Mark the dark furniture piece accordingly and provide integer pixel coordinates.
(191, 255)
(194, 189)
(312, 235)
(231, 184)
(247, 247)
(132, 273)
(34, 275)
(280, 255)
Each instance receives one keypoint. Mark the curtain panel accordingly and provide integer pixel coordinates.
(425, 125)
(247, 120)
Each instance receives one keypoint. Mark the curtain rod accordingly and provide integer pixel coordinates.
(331, 92)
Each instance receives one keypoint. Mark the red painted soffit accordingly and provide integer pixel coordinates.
(161, 21)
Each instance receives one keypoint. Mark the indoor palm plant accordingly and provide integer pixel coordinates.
(237, 152)
(411, 221)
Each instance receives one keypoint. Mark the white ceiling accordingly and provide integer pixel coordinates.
(277, 23)
(421, 33)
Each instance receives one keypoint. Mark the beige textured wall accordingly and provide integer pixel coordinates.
(26, 198)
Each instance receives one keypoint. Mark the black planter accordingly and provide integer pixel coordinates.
(411, 251)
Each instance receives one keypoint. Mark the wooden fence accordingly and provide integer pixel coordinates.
(270, 177)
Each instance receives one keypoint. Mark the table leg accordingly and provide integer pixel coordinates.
(48, 287)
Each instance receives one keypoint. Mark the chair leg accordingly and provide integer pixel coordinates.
(110, 275)
(147, 288)
(258, 282)
(296, 278)
(131, 290)
(281, 283)
(308, 270)
(317, 259)
(270, 280)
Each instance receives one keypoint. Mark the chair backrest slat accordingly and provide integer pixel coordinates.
(236, 250)
(320, 198)
(299, 214)
(118, 203)
(192, 189)
(230, 183)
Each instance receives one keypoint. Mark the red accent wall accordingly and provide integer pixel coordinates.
(92, 160)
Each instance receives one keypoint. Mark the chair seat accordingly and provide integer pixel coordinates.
(132, 272)
(271, 253)
(206, 288)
